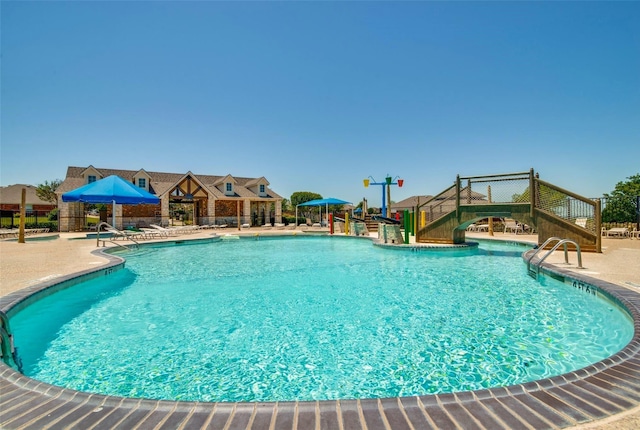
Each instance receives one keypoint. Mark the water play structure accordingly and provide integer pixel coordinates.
(542, 207)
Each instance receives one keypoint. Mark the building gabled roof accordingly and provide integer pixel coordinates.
(12, 195)
(163, 182)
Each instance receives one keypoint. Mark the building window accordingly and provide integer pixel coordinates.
(142, 183)
(229, 187)
(261, 188)
(91, 179)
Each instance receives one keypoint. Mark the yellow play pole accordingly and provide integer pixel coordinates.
(346, 223)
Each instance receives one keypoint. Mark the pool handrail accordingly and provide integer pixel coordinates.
(8, 351)
(566, 254)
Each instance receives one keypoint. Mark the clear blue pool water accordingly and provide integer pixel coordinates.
(313, 318)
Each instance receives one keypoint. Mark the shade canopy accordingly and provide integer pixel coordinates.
(320, 202)
(112, 189)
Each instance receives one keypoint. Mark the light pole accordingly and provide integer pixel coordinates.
(385, 196)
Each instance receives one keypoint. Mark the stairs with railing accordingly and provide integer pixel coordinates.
(524, 197)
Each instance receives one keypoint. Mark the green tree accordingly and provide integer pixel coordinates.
(286, 205)
(47, 191)
(631, 187)
(302, 197)
(621, 204)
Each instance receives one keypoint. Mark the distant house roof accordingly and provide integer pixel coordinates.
(12, 194)
(410, 202)
(163, 182)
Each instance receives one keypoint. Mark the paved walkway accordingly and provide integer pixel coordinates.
(35, 262)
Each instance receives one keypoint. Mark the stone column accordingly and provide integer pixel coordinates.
(211, 209)
(164, 210)
(279, 211)
(63, 216)
(246, 212)
(119, 221)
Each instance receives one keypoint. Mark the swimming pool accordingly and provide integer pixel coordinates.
(314, 318)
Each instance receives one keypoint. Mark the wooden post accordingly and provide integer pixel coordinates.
(533, 193)
(238, 213)
(458, 198)
(490, 218)
(598, 227)
(23, 215)
(415, 217)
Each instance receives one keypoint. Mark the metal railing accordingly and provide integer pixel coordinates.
(564, 242)
(8, 351)
(568, 206)
(514, 188)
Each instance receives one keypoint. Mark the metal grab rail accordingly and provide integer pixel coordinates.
(8, 351)
(564, 242)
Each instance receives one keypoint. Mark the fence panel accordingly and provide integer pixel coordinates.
(11, 219)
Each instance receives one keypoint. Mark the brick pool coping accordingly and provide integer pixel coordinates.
(598, 391)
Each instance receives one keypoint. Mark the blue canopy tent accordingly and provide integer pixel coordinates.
(321, 202)
(112, 189)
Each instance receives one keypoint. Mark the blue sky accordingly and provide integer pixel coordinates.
(316, 96)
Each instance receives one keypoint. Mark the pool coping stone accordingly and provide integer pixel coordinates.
(595, 392)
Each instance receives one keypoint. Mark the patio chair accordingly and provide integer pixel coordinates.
(635, 233)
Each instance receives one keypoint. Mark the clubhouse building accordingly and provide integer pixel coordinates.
(185, 198)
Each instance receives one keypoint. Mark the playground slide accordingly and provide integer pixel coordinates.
(385, 219)
(350, 218)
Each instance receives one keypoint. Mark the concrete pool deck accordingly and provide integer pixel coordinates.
(605, 395)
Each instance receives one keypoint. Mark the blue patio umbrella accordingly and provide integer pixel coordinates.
(112, 189)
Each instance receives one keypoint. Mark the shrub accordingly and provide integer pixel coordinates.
(53, 215)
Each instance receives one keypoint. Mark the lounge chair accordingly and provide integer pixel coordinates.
(513, 226)
(152, 233)
(124, 234)
(9, 232)
(618, 232)
(167, 231)
(582, 222)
